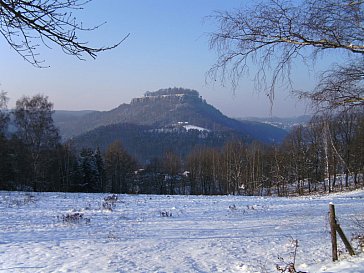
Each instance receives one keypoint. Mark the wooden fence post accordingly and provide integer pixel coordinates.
(345, 240)
(335, 227)
(333, 231)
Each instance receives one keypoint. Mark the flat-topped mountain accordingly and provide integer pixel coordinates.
(168, 108)
(173, 119)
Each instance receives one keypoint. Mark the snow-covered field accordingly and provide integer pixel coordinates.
(145, 233)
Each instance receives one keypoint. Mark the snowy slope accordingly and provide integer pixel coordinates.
(172, 233)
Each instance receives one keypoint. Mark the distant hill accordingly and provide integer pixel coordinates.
(284, 123)
(64, 116)
(165, 108)
(168, 119)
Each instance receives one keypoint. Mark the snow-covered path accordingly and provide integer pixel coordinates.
(146, 233)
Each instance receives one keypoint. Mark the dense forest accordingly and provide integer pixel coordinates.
(326, 155)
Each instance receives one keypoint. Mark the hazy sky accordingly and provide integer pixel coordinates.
(167, 47)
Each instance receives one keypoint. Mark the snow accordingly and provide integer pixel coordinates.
(194, 127)
(149, 233)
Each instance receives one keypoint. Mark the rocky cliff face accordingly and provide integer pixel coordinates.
(171, 95)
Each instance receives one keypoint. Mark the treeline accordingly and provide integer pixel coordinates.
(324, 156)
(33, 158)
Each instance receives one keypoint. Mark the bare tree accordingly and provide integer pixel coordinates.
(25, 25)
(340, 88)
(234, 162)
(171, 166)
(5, 169)
(274, 33)
(118, 164)
(4, 115)
(36, 130)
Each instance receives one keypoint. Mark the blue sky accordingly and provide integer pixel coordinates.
(167, 47)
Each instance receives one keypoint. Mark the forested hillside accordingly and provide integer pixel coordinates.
(145, 143)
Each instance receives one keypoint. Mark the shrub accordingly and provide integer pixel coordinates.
(73, 218)
(165, 213)
(290, 266)
(109, 202)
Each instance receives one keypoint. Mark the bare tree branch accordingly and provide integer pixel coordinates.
(25, 25)
(274, 33)
(340, 88)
